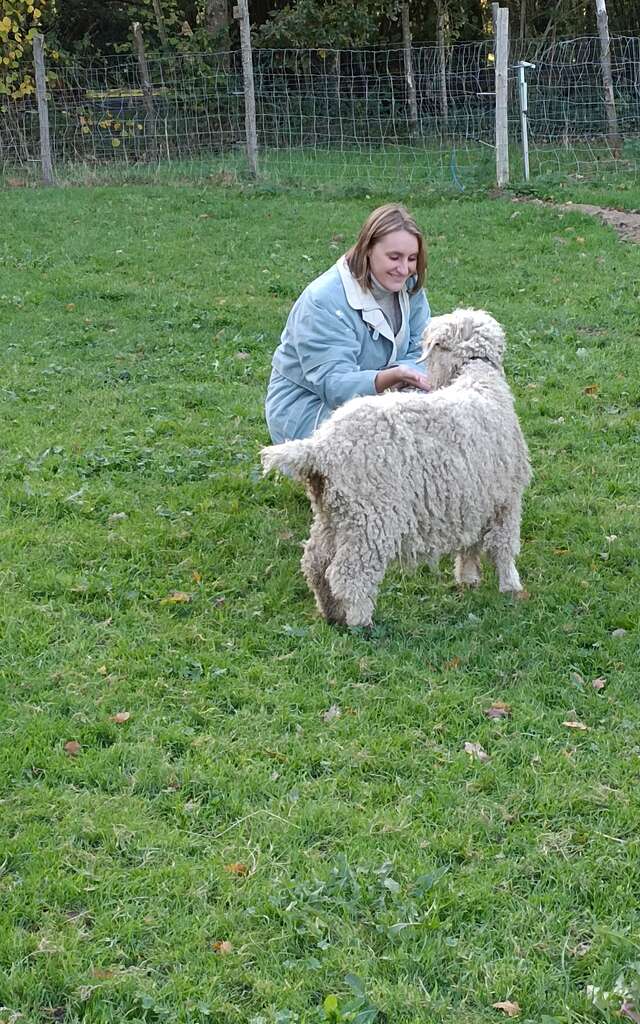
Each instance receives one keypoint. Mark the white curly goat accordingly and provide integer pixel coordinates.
(414, 476)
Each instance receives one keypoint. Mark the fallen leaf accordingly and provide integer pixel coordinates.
(476, 750)
(72, 748)
(102, 670)
(576, 725)
(452, 663)
(196, 577)
(522, 595)
(561, 551)
(222, 947)
(70, 307)
(511, 1009)
(599, 683)
(177, 597)
(121, 716)
(242, 355)
(618, 633)
(591, 390)
(238, 868)
(333, 712)
(576, 678)
(498, 710)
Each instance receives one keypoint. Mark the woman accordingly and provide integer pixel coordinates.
(355, 330)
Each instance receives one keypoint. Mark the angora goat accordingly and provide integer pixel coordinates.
(413, 476)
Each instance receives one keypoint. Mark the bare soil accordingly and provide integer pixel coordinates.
(625, 223)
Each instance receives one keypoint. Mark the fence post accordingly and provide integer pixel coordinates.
(408, 69)
(605, 61)
(145, 82)
(524, 113)
(241, 14)
(442, 70)
(502, 96)
(43, 110)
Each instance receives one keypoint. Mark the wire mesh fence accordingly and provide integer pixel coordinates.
(329, 116)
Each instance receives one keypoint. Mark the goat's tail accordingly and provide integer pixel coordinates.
(295, 459)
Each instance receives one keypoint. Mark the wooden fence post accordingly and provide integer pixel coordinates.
(241, 14)
(43, 110)
(145, 82)
(605, 62)
(502, 96)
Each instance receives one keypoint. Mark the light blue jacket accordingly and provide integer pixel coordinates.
(335, 341)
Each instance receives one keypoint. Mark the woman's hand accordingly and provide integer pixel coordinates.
(400, 377)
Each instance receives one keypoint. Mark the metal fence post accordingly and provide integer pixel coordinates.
(524, 113)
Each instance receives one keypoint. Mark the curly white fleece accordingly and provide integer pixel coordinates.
(415, 476)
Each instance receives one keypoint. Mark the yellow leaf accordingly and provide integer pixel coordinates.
(115, 143)
(177, 597)
(121, 716)
(576, 725)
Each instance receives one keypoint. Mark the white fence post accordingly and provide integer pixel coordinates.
(524, 113)
(43, 110)
(241, 14)
(502, 96)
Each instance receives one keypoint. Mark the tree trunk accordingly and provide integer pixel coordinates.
(217, 20)
(408, 68)
(442, 65)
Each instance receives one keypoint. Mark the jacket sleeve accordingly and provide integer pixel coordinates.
(328, 349)
(419, 317)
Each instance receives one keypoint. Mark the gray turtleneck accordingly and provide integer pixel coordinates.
(389, 304)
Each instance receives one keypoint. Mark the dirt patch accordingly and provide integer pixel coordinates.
(623, 222)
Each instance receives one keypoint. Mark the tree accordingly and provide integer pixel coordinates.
(20, 21)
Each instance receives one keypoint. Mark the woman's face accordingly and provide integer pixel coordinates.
(393, 259)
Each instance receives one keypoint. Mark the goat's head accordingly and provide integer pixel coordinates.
(452, 340)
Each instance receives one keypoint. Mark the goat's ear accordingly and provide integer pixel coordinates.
(467, 328)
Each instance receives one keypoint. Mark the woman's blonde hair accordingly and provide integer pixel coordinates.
(384, 220)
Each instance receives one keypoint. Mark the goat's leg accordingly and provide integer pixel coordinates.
(319, 551)
(355, 575)
(468, 572)
(502, 544)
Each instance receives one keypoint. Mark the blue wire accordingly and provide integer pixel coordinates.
(454, 170)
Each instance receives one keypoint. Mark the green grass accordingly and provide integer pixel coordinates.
(136, 330)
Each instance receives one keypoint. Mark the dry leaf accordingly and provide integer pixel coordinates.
(599, 683)
(591, 390)
(177, 597)
(629, 1011)
(196, 577)
(102, 670)
(72, 748)
(333, 712)
(618, 633)
(70, 307)
(511, 1009)
(452, 663)
(121, 716)
(576, 725)
(498, 710)
(222, 947)
(238, 868)
(521, 595)
(476, 750)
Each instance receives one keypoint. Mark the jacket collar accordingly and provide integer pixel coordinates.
(364, 301)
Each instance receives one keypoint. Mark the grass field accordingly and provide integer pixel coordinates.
(214, 806)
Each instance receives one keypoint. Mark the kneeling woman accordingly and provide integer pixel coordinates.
(355, 330)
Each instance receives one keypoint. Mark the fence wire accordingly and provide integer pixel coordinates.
(326, 116)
